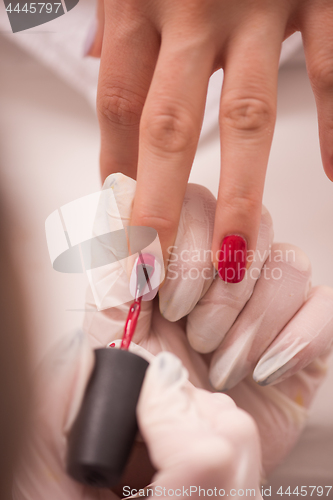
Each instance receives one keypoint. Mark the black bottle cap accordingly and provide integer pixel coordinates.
(103, 433)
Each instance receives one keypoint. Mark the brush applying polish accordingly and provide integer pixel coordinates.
(144, 270)
(103, 434)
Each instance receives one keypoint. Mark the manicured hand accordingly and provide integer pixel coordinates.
(156, 60)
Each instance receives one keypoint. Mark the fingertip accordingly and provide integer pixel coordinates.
(96, 49)
(236, 230)
(168, 370)
(232, 258)
(90, 38)
(94, 37)
(328, 162)
(266, 217)
(291, 255)
(324, 108)
(92, 46)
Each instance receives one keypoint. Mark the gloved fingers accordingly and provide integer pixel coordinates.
(222, 413)
(299, 352)
(136, 349)
(279, 418)
(109, 296)
(60, 382)
(103, 327)
(281, 290)
(307, 336)
(166, 336)
(210, 468)
(164, 395)
(213, 316)
(182, 428)
(190, 270)
(68, 366)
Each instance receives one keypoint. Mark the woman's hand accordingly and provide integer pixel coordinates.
(264, 340)
(156, 60)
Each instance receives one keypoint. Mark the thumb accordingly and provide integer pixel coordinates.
(110, 294)
(170, 416)
(187, 444)
(94, 37)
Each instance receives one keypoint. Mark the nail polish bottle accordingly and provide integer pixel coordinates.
(104, 431)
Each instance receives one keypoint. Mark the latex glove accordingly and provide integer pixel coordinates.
(186, 440)
(196, 438)
(276, 328)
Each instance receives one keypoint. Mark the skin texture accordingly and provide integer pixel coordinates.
(156, 60)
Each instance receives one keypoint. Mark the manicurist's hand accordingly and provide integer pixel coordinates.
(189, 443)
(263, 341)
(156, 60)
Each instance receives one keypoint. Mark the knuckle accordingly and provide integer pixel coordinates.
(163, 225)
(207, 458)
(247, 430)
(247, 114)
(321, 75)
(243, 204)
(169, 129)
(120, 107)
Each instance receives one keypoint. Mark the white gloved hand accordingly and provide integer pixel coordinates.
(277, 323)
(195, 438)
(269, 329)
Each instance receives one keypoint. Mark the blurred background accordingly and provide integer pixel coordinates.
(49, 147)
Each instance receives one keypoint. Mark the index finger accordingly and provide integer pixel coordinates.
(169, 133)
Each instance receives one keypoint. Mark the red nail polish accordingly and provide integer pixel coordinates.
(232, 259)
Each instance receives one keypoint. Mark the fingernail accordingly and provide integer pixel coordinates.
(168, 368)
(145, 266)
(231, 365)
(90, 38)
(277, 362)
(232, 259)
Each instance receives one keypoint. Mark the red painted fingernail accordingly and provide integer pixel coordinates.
(232, 259)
